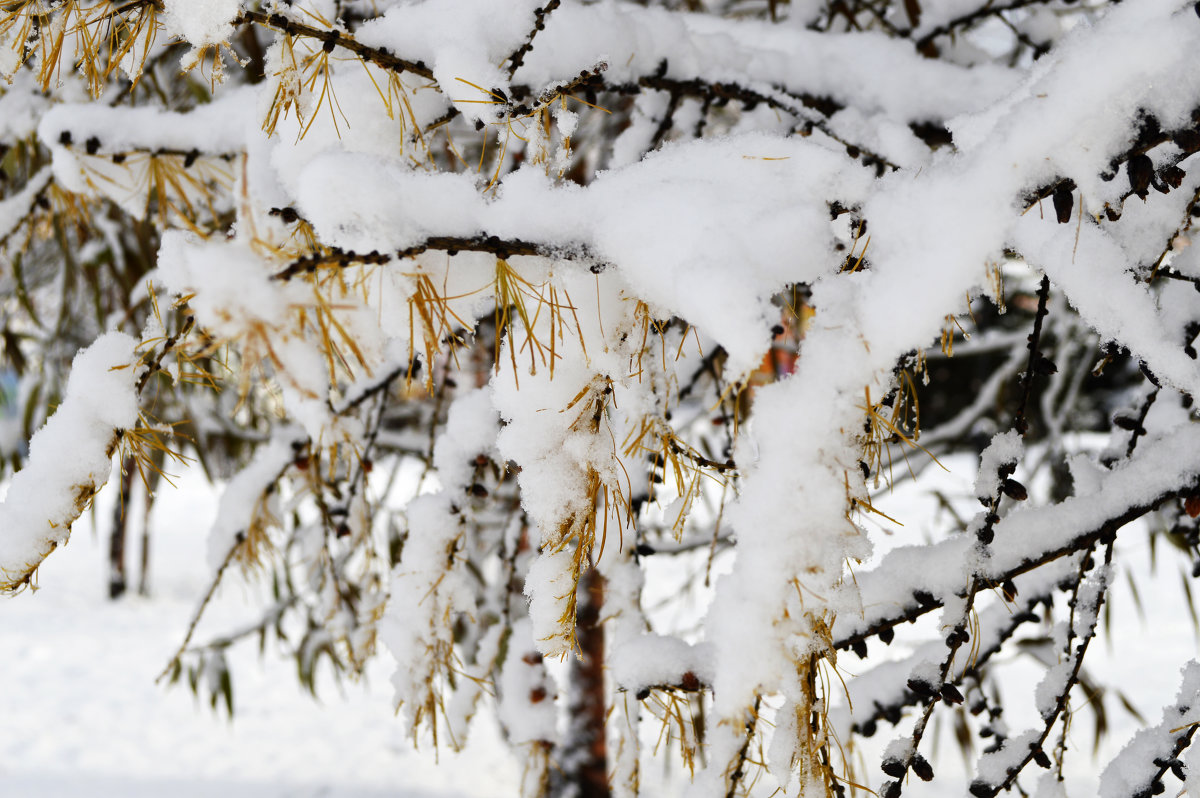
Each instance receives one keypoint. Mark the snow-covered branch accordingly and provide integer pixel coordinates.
(602, 330)
(69, 458)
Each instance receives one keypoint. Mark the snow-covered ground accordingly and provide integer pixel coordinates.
(81, 715)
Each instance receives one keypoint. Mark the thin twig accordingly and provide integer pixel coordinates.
(539, 22)
(191, 630)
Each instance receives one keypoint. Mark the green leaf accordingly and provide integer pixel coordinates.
(226, 690)
(1191, 604)
(1137, 598)
(31, 407)
(22, 291)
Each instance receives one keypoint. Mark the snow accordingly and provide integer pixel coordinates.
(461, 40)
(666, 221)
(431, 583)
(654, 660)
(1092, 269)
(1025, 534)
(792, 520)
(213, 128)
(15, 207)
(863, 70)
(351, 200)
(21, 106)
(1051, 687)
(84, 139)
(1004, 450)
(550, 588)
(200, 22)
(526, 692)
(70, 457)
(87, 669)
(1131, 770)
(993, 768)
(247, 492)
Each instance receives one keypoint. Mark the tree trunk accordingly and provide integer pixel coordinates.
(144, 574)
(581, 769)
(117, 581)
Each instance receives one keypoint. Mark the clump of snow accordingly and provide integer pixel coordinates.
(1052, 685)
(673, 222)
(867, 71)
(654, 660)
(70, 457)
(16, 206)
(251, 488)
(425, 588)
(1131, 771)
(526, 690)
(994, 767)
(22, 104)
(551, 591)
(357, 205)
(84, 138)
(1117, 306)
(462, 41)
(200, 22)
(471, 428)
(430, 585)
(230, 289)
(234, 298)
(1005, 450)
(212, 128)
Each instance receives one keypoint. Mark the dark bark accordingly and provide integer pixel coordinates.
(581, 766)
(144, 574)
(117, 581)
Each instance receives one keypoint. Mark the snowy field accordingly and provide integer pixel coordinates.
(83, 715)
